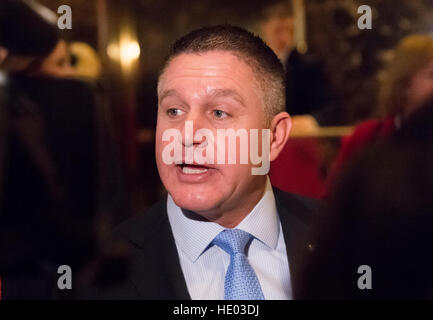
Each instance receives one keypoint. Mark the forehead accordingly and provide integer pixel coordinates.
(221, 68)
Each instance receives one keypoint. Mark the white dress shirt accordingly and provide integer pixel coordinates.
(204, 267)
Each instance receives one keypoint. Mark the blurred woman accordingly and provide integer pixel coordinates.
(405, 84)
(56, 64)
(61, 179)
(85, 61)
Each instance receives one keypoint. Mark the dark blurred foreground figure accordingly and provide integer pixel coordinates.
(61, 184)
(381, 216)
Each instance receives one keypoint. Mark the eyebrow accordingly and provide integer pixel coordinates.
(167, 93)
(215, 93)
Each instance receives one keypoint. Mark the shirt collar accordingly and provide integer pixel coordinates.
(263, 221)
(194, 236)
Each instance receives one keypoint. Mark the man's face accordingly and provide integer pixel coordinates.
(214, 90)
(278, 34)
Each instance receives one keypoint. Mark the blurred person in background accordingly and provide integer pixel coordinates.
(417, 127)
(57, 194)
(22, 47)
(86, 63)
(405, 84)
(57, 64)
(380, 216)
(277, 29)
(3, 92)
(307, 90)
(3, 54)
(299, 166)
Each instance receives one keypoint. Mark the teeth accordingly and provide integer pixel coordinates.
(188, 170)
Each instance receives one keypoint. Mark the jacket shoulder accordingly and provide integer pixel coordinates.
(142, 224)
(146, 247)
(304, 208)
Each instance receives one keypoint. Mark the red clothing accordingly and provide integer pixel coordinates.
(297, 168)
(364, 134)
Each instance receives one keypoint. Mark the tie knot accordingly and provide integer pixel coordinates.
(232, 241)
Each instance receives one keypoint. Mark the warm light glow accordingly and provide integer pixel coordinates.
(126, 51)
(129, 51)
(113, 51)
(3, 78)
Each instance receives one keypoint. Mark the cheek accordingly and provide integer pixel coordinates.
(159, 144)
(420, 90)
(422, 83)
(234, 176)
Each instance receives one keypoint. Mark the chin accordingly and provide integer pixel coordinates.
(195, 201)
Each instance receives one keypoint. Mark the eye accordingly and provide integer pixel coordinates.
(219, 114)
(174, 112)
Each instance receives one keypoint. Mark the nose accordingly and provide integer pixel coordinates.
(193, 122)
(190, 141)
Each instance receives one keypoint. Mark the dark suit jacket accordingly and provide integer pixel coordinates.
(308, 91)
(156, 272)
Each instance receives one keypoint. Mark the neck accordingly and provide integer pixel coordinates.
(231, 217)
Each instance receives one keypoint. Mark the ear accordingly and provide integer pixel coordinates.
(281, 125)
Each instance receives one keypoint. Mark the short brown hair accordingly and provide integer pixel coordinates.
(245, 45)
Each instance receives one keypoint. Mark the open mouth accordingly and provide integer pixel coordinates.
(193, 168)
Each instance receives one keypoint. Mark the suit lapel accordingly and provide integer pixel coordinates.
(158, 273)
(162, 277)
(172, 264)
(295, 219)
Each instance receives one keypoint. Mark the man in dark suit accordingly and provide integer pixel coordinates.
(222, 232)
(307, 88)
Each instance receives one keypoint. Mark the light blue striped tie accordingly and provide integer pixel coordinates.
(241, 282)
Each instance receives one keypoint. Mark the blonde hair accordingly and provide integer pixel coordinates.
(88, 63)
(410, 56)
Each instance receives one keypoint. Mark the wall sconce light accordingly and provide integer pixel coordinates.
(126, 51)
